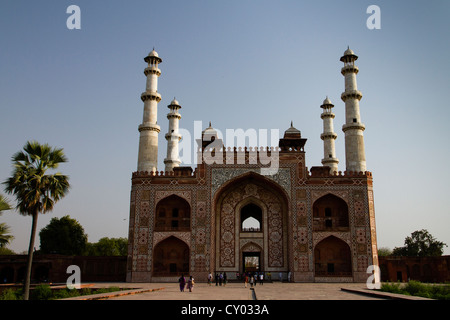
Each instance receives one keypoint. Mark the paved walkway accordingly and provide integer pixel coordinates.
(237, 291)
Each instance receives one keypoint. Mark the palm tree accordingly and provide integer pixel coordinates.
(5, 238)
(35, 191)
(4, 205)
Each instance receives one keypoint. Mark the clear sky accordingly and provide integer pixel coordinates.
(240, 64)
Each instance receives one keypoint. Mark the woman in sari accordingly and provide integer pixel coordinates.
(182, 282)
(190, 284)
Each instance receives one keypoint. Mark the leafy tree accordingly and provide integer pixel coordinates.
(5, 238)
(35, 190)
(108, 247)
(63, 236)
(420, 244)
(384, 252)
(6, 251)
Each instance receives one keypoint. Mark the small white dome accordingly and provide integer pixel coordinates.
(327, 101)
(348, 52)
(153, 53)
(175, 102)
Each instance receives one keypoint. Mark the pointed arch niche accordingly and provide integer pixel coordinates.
(173, 213)
(251, 196)
(330, 213)
(332, 258)
(170, 258)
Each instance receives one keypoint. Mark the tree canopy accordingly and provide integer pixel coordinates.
(63, 236)
(420, 244)
(108, 247)
(5, 237)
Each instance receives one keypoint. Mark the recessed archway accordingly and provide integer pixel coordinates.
(173, 214)
(332, 257)
(330, 213)
(251, 196)
(170, 258)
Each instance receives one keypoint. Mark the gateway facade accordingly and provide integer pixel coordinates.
(236, 212)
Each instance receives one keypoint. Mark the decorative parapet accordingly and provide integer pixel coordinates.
(177, 172)
(324, 172)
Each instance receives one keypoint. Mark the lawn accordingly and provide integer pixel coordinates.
(45, 292)
(416, 288)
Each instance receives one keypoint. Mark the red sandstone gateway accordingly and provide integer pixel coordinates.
(307, 225)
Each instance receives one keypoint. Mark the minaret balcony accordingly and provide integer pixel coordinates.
(330, 160)
(147, 95)
(353, 94)
(328, 135)
(176, 162)
(354, 126)
(327, 115)
(173, 136)
(349, 68)
(149, 127)
(174, 115)
(152, 70)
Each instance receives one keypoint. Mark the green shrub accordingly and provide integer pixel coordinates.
(414, 287)
(11, 294)
(41, 292)
(391, 287)
(66, 293)
(106, 290)
(44, 292)
(86, 291)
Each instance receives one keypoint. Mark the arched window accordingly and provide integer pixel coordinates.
(330, 213)
(173, 214)
(251, 218)
(171, 257)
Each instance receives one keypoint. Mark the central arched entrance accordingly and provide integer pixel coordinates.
(252, 258)
(251, 226)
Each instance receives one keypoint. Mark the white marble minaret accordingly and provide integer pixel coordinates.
(173, 136)
(329, 136)
(355, 157)
(149, 129)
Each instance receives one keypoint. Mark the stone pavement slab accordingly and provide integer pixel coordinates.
(237, 291)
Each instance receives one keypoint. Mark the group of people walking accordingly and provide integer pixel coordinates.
(253, 279)
(189, 284)
(220, 278)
